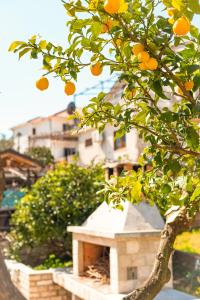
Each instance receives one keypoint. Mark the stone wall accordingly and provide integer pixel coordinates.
(36, 284)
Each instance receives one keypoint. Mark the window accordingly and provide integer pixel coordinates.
(119, 142)
(64, 127)
(34, 131)
(69, 151)
(88, 142)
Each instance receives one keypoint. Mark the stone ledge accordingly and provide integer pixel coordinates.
(87, 291)
(62, 284)
(113, 235)
(84, 288)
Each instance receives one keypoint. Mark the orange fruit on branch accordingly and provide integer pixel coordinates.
(96, 69)
(107, 26)
(143, 56)
(182, 26)
(137, 48)
(189, 85)
(112, 6)
(70, 88)
(143, 67)
(42, 84)
(152, 64)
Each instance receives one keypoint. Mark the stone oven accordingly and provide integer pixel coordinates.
(125, 242)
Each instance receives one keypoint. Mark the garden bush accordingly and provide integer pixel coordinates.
(64, 196)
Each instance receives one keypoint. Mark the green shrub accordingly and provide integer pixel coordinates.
(64, 196)
(188, 242)
(53, 262)
(41, 154)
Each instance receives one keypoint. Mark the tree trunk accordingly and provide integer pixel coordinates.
(7, 289)
(161, 274)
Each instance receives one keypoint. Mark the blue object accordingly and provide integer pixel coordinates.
(11, 197)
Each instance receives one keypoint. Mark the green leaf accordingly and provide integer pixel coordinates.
(136, 192)
(196, 194)
(24, 51)
(43, 44)
(194, 5)
(178, 4)
(14, 45)
(192, 68)
(157, 88)
(166, 189)
(192, 138)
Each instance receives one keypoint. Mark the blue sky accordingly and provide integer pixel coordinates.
(19, 99)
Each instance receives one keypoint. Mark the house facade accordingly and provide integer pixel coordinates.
(54, 132)
(58, 133)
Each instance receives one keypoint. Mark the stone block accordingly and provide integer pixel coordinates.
(132, 247)
(48, 294)
(44, 282)
(33, 277)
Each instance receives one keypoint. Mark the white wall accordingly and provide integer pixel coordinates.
(105, 150)
(44, 127)
(94, 152)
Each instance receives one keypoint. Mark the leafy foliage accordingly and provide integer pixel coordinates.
(53, 262)
(64, 196)
(165, 113)
(189, 242)
(42, 154)
(5, 143)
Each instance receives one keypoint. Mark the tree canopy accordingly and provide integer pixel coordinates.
(64, 196)
(154, 47)
(42, 154)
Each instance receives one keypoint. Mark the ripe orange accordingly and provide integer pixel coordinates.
(182, 26)
(112, 6)
(42, 84)
(143, 56)
(70, 88)
(143, 67)
(96, 69)
(137, 48)
(152, 64)
(171, 11)
(189, 85)
(107, 26)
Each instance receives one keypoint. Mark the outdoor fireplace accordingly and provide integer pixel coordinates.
(117, 248)
(96, 262)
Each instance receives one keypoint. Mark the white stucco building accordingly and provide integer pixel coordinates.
(57, 132)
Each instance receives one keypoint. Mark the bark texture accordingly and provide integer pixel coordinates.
(7, 289)
(161, 273)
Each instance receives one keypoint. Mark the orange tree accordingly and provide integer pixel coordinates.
(157, 58)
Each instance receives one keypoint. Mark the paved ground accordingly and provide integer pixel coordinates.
(170, 294)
